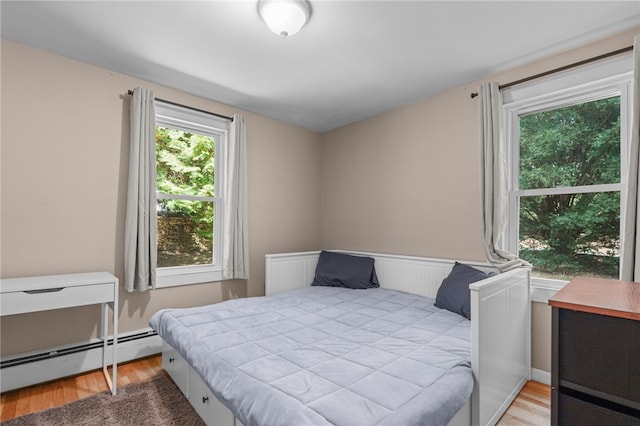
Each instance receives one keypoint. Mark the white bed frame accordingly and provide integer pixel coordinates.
(500, 330)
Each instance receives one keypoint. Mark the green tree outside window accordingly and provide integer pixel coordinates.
(563, 235)
(184, 167)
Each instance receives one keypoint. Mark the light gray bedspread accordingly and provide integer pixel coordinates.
(326, 355)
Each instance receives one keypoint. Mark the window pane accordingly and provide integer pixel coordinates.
(185, 233)
(185, 163)
(568, 235)
(571, 146)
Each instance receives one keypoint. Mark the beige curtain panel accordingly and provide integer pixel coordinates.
(494, 179)
(236, 239)
(140, 223)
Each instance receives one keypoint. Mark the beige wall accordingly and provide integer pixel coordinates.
(541, 336)
(64, 173)
(407, 181)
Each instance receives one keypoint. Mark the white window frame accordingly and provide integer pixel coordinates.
(596, 81)
(185, 119)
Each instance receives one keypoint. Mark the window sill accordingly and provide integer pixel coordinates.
(174, 277)
(543, 289)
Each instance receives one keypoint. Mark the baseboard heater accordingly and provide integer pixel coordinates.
(21, 360)
(54, 363)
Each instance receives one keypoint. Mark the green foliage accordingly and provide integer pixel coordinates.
(185, 166)
(550, 264)
(571, 146)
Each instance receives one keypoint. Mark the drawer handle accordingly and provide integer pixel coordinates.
(171, 359)
(44, 290)
(205, 399)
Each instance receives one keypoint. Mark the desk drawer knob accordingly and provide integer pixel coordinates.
(171, 360)
(205, 399)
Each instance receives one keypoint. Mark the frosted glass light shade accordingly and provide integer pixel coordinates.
(284, 17)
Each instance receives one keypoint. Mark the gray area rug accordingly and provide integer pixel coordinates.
(157, 401)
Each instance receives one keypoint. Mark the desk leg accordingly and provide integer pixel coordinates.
(114, 365)
(112, 382)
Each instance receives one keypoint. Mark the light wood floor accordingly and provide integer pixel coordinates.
(59, 392)
(531, 407)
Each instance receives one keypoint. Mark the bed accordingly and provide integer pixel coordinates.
(321, 354)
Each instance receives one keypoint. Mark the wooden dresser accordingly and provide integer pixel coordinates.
(595, 372)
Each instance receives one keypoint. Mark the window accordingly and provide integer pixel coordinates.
(189, 148)
(568, 141)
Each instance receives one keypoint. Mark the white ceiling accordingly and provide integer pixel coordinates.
(354, 59)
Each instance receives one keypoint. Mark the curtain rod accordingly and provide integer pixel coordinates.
(563, 68)
(130, 92)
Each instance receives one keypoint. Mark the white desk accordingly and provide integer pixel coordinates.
(33, 294)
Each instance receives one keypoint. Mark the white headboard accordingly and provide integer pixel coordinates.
(418, 275)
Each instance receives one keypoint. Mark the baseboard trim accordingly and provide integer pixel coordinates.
(23, 370)
(541, 376)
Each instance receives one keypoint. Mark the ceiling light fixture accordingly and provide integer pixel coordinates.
(284, 17)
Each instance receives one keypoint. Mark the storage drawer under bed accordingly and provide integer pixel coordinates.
(212, 411)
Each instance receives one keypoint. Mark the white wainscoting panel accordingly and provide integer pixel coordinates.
(289, 272)
(501, 335)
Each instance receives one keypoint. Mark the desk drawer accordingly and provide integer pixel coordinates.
(574, 411)
(597, 352)
(19, 302)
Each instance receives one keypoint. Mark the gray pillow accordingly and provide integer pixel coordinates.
(343, 270)
(454, 294)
